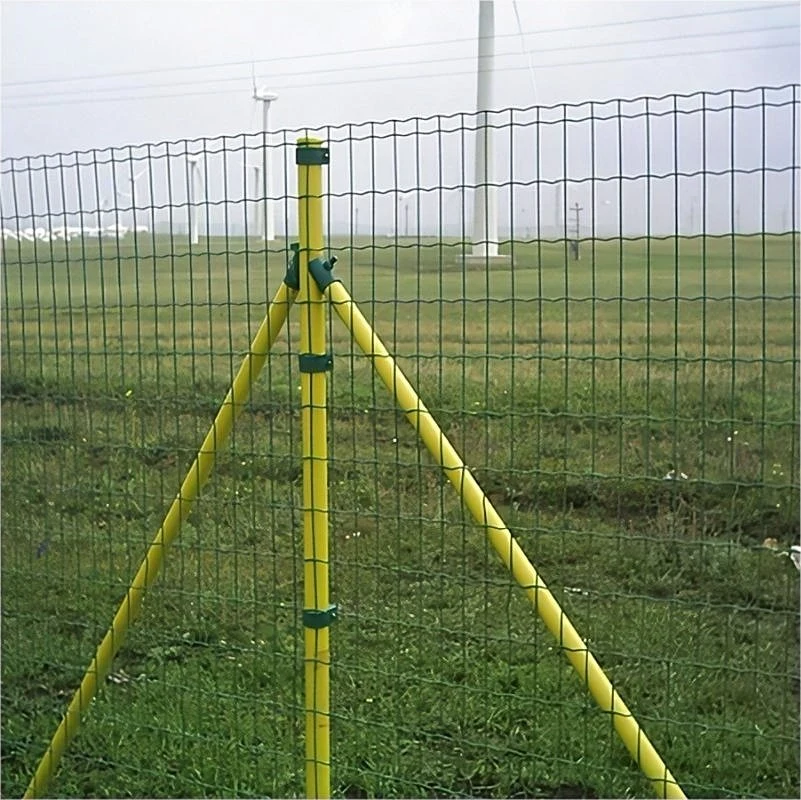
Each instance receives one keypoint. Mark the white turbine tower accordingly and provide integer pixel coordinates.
(267, 228)
(251, 207)
(257, 185)
(194, 191)
(485, 207)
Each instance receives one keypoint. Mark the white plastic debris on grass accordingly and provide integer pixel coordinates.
(794, 552)
(675, 476)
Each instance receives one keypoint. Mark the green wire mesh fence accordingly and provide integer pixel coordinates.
(623, 382)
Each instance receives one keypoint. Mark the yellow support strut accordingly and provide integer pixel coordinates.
(180, 509)
(513, 557)
(317, 612)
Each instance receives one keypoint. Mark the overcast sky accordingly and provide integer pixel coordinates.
(54, 41)
(339, 62)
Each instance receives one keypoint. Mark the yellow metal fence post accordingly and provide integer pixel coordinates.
(314, 361)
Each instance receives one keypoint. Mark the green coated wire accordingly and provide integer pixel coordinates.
(468, 316)
(118, 267)
(649, 313)
(593, 293)
(565, 399)
(57, 349)
(106, 303)
(794, 466)
(594, 469)
(621, 397)
(676, 302)
(598, 399)
(41, 349)
(23, 331)
(704, 290)
(733, 291)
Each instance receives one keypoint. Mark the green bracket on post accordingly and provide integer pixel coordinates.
(313, 362)
(292, 277)
(319, 619)
(321, 272)
(312, 156)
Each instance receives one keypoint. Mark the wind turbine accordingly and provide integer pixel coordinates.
(266, 97)
(130, 195)
(403, 198)
(193, 161)
(103, 229)
(113, 228)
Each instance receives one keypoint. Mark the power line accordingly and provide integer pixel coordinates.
(773, 28)
(430, 76)
(524, 49)
(570, 29)
(651, 40)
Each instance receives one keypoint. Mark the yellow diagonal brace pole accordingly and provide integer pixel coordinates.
(180, 509)
(505, 545)
(317, 613)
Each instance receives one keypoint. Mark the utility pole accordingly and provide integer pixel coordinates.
(268, 220)
(577, 209)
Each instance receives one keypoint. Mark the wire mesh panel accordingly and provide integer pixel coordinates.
(122, 330)
(622, 380)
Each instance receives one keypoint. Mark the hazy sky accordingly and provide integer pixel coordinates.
(339, 62)
(54, 41)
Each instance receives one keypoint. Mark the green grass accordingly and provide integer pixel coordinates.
(571, 389)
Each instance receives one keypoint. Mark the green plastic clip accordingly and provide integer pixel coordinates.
(312, 362)
(312, 156)
(292, 277)
(319, 619)
(321, 271)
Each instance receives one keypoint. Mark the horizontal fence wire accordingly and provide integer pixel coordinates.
(622, 380)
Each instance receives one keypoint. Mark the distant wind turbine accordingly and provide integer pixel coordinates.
(194, 192)
(266, 98)
(131, 196)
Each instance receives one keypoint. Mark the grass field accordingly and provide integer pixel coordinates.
(570, 388)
